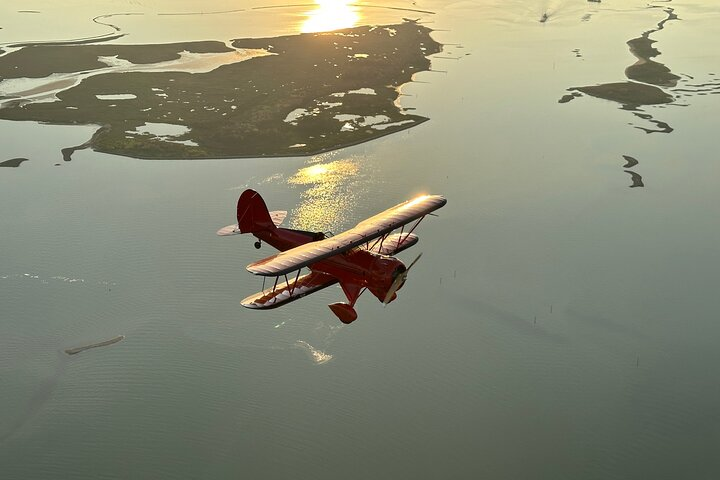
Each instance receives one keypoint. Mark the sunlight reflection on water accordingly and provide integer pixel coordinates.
(318, 357)
(326, 198)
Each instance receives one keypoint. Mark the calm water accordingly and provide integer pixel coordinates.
(559, 325)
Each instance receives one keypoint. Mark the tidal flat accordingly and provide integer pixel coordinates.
(13, 162)
(303, 94)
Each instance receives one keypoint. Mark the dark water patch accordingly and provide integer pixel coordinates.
(636, 178)
(105, 343)
(606, 324)
(649, 76)
(647, 70)
(13, 162)
(628, 93)
(486, 311)
(711, 87)
(662, 127)
(629, 161)
(32, 406)
(316, 92)
(569, 96)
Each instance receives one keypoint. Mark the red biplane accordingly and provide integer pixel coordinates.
(359, 259)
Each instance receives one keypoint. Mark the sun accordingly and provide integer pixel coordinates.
(331, 15)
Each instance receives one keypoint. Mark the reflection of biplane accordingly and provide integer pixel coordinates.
(359, 259)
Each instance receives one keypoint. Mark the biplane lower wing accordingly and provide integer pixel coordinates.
(289, 291)
(394, 243)
(364, 232)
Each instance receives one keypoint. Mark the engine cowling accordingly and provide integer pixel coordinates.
(383, 273)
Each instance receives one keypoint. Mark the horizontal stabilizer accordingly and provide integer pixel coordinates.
(278, 216)
(229, 230)
(287, 292)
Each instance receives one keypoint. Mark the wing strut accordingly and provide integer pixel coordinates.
(294, 284)
(380, 239)
(287, 282)
(402, 230)
(416, 224)
(289, 290)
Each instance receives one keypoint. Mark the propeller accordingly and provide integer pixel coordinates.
(399, 280)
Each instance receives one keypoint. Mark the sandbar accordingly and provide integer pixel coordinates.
(13, 162)
(628, 93)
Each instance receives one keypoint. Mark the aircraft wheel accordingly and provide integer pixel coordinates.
(258, 244)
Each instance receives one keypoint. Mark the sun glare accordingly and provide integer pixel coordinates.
(326, 198)
(331, 15)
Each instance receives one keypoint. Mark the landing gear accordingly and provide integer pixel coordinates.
(258, 244)
(346, 313)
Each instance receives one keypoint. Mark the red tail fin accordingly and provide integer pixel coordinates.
(252, 213)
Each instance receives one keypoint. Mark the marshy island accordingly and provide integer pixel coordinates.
(283, 96)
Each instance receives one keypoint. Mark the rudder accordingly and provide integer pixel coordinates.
(252, 213)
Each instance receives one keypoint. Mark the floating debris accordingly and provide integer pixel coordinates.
(76, 350)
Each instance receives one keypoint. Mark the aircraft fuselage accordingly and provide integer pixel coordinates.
(355, 269)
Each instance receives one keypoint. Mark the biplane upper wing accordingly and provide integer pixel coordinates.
(372, 228)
